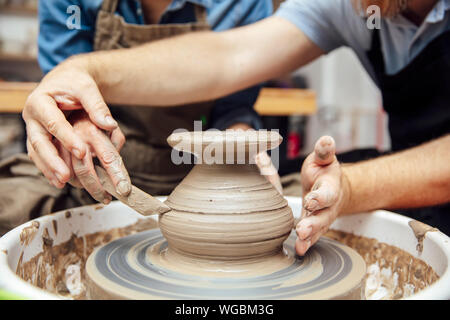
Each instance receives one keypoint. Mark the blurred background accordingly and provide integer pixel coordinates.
(333, 96)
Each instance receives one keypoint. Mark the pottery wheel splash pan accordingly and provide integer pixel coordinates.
(122, 270)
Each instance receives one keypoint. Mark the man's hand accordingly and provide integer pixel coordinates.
(325, 192)
(68, 87)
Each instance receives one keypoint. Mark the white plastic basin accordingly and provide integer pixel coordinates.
(384, 226)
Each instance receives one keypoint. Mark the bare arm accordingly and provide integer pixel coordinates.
(201, 66)
(194, 67)
(417, 177)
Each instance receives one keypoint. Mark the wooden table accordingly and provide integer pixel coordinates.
(271, 101)
(13, 95)
(286, 102)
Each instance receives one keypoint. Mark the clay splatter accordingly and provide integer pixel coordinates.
(28, 233)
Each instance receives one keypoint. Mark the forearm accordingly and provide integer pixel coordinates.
(417, 177)
(200, 66)
(163, 72)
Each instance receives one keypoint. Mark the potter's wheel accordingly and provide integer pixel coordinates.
(124, 269)
(223, 237)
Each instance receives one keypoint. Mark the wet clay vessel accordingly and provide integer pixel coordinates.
(226, 210)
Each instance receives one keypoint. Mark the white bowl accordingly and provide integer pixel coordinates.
(384, 226)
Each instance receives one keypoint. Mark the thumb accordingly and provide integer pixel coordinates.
(95, 106)
(324, 151)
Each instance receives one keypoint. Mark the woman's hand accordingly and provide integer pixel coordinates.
(105, 148)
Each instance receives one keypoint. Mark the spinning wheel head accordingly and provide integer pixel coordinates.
(133, 268)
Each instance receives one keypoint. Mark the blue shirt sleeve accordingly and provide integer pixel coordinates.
(56, 41)
(238, 107)
(224, 15)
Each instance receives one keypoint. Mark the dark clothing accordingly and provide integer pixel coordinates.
(417, 100)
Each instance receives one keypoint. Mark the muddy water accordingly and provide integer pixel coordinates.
(392, 272)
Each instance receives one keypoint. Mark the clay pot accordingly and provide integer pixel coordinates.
(226, 211)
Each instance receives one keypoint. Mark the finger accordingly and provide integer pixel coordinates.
(84, 171)
(67, 157)
(324, 151)
(267, 169)
(74, 182)
(325, 194)
(303, 230)
(276, 182)
(117, 139)
(53, 120)
(40, 143)
(265, 165)
(95, 106)
(316, 223)
(48, 174)
(112, 162)
(66, 102)
(302, 246)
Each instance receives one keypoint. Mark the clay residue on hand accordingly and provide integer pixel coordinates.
(420, 230)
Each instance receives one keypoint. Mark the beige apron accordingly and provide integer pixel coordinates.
(146, 154)
(25, 193)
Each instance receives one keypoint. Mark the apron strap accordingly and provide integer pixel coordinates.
(200, 13)
(376, 50)
(110, 5)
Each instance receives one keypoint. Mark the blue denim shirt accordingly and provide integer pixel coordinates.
(57, 42)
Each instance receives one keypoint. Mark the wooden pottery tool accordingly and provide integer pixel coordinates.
(139, 200)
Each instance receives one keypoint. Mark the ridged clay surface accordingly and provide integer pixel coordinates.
(226, 211)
